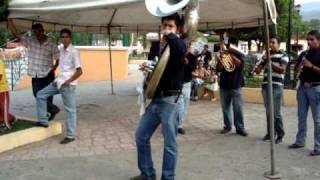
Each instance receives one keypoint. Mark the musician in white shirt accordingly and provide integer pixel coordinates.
(64, 84)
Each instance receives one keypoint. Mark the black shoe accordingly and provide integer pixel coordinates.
(39, 124)
(295, 146)
(279, 140)
(225, 130)
(181, 131)
(53, 113)
(315, 153)
(142, 177)
(266, 138)
(242, 132)
(66, 140)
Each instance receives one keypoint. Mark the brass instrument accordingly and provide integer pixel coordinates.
(226, 59)
(161, 9)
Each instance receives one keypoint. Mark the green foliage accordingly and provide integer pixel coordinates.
(313, 24)
(4, 4)
(5, 35)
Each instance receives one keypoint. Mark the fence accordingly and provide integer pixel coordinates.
(16, 63)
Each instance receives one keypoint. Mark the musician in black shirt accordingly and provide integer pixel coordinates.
(163, 108)
(308, 93)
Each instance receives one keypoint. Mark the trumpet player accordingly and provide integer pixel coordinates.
(231, 83)
(279, 60)
(308, 93)
(163, 108)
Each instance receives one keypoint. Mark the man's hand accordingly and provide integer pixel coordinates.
(306, 63)
(66, 83)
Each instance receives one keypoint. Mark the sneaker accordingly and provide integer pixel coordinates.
(279, 140)
(66, 140)
(242, 132)
(295, 146)
(225, 130)
(39, 124)
(181, 131)
(266, 138)
(315, 153)
(53, 114)
(142, 177)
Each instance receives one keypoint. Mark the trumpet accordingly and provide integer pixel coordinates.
(260, 62)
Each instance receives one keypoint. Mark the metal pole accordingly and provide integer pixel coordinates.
(291, 2)
(272, 174)
(110, 59)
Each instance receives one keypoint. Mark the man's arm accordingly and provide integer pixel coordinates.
(279, 68)
(236, 60)
(13, 29)
(75, 76)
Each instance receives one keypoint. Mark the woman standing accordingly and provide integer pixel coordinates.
(308, 93)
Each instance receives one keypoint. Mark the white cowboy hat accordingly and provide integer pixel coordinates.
(165, 7)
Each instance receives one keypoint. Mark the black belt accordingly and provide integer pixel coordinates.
(167, 93)
(310, 84)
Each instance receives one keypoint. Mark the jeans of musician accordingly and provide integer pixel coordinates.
(69, 101)
(183, 108)
(162, 111)
(277, 101)
(232, 97)
(308, 97)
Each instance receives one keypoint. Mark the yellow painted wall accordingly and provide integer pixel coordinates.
(95, 62)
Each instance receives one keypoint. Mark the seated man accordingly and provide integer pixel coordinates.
(64, 84)
(199, 75)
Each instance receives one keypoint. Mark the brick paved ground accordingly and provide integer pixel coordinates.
(106, 125)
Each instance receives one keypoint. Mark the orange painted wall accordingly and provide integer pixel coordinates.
(95, 63)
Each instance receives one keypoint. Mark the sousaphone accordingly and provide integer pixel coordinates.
(160, 8)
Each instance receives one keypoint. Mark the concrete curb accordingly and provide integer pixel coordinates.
(31, 135)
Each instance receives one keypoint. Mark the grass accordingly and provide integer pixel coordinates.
(18, 126)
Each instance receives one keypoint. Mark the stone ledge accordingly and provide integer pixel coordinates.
(27, 136)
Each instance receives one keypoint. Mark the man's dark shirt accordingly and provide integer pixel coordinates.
(190, 67)
(234, 79)
(173, 75)
(308, 75)
(154, 50)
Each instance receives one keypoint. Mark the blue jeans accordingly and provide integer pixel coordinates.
(308, 97)
(160, 111)
(232, 97)
(69, 101)
(183, 108)
(277, 101)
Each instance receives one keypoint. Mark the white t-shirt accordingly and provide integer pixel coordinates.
(69, 61)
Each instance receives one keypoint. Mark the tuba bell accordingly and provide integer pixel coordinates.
(226, 58)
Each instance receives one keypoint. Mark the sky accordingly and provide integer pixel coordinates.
(305, 1)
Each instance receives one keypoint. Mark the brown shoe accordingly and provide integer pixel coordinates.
(142, 177)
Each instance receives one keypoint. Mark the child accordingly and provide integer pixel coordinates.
(211, 86)
(5, 117)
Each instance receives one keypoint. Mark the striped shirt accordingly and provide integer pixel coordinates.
(279, 58)
(40, 56)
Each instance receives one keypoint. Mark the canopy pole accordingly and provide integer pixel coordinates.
(272, 174)
(110, 52)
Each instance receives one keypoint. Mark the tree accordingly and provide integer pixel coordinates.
(4, 4)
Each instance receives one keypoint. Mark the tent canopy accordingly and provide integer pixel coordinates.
(131, 15)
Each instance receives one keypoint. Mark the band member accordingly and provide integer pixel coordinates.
(42, 53)
(190, 66)
(163, 108)
(64, 84)
(231, 84)
(279, 61)
(5, 117)
(308, 93)
(206, 55)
